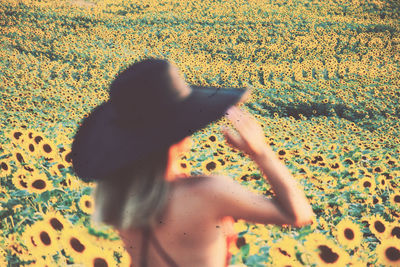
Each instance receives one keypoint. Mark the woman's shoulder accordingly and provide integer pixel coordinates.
(197, 180)
(201, 183)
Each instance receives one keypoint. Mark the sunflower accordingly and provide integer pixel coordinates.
(379, 169)
(5, 167)
(86, 204)
(354, 172)
(31, 169)
(373, 200)
(213, 138)
(325, 252)
(56, 169)
(56, 221)
(70, 182)
(348, 161)
(40, 239)
(76, 243)
(348, 233)
(323, 161)
(378, 226)
(366, 183)
(210, 166)
(382, 182)
(335, 166)
(99, 257)
(283, 153)
(38, 137)
(394, 230)
(19, 155)
(20, 179)
(3, 258)
(394, 200)
(184, 166)
(388, 252)
(328, 182)
(31, 149)
(29, 134)
(47, 149)
(284, 250)
(16, 136)
(392, 161)
(39, 183)
(66, 157)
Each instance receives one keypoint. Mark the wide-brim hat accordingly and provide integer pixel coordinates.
(104, 144)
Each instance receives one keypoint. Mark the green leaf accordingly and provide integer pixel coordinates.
(244, 250)
(19, 193)
(45, 196)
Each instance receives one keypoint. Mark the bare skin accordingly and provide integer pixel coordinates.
(190, 229)
(186, 231)
(198, 239)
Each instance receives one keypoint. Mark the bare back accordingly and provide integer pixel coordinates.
(186, 231)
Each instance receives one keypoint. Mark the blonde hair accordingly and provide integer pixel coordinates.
(134, 196)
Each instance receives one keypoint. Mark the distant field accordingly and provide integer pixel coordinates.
(326, 77)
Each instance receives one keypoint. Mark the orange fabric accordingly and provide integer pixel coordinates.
(231, 236)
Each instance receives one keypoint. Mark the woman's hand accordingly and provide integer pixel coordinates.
(251, 139)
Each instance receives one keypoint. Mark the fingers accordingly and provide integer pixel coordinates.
(239, 119)
(231, 138)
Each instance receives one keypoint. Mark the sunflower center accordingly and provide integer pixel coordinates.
(88, 204)
(39, 184)
(47, 148)
(23, 184)
(397, 199)
(211, 166)
(349, 234)
(4, 166)
(367, 184)
(379, 227)
(100, 263)
(31, 148)
(56, 224)
(38, 139)
(45, 238)
(392, 253)
(17, 135)
(396, 232)
(335, 166)
(68, 158)
(284, 252)
(20, 158)
(33, 242)
(327, 255)
(77, 245)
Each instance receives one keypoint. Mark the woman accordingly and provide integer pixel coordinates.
(130, 146)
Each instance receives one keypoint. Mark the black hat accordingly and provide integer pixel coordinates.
(149, 109)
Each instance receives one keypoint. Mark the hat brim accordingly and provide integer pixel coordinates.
(100, 147)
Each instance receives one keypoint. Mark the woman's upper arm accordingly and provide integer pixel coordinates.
(229, 198)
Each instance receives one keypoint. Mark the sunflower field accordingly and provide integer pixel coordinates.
(326, 90)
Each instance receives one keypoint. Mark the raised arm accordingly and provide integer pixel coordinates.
(290, 206)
